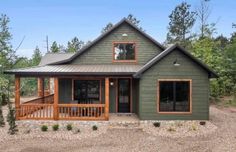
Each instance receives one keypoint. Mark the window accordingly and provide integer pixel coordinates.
(124, 52)
(174, 96)
(87, 91)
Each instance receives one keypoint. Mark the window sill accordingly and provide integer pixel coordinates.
(174, 113)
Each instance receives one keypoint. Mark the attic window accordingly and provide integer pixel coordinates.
(124, 52)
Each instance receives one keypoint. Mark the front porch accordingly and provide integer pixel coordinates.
(48, 107)
(52, 105)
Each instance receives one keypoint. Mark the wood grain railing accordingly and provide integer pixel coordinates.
(81, 111)
(35, 111)
(49, 99)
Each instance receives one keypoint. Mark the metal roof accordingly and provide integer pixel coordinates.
(157, 58)
(73, 69)
(54, 57)
(86, 47)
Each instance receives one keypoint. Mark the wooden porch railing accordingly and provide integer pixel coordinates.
(44, 111)
(81, 111)
(35, 111)
(49, 99)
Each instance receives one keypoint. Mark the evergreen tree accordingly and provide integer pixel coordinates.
(36, 57)
(107, 27)
(54, 48)
(182, 20)
(74, 45)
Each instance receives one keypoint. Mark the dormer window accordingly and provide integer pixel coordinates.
(124, 52)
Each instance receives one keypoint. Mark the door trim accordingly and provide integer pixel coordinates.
(131, 93)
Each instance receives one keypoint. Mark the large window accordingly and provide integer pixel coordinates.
(174, 96)
(124, 52)
(87, 91)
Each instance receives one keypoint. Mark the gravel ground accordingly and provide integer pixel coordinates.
(223, 139)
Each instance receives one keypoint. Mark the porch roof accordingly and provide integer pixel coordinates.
(77, 70)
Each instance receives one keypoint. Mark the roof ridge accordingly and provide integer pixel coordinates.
(106, 33)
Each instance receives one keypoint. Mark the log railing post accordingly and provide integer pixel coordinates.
(17, 96)
(107, 98)
(56, 99)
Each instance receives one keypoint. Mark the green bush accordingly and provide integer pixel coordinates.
(157, 124)
(69, 127)
(44, 128)
(55, 127)
(95, 127)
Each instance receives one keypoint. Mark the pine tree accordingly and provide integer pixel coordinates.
(36, 57)
(11, 119)
(181, 22)
(74, 45)
(107, 27)
(54, 48)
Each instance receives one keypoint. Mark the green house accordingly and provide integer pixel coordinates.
(124, 70)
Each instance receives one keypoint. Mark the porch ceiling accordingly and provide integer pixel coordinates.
(77, 70)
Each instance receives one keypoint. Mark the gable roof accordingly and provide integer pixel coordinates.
(49, 58)
(86, 47)
(160, 56)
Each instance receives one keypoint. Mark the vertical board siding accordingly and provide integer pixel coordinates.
(165, 69)
(101, 53)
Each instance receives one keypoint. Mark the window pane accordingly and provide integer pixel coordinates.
(174, 96)
(166, 96)
(87, 91)
(124, 51)
(182, 96)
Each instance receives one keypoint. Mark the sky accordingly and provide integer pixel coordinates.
(61, 20)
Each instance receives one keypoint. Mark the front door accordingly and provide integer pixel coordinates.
(124, 95)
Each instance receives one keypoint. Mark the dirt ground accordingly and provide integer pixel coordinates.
(224, 139)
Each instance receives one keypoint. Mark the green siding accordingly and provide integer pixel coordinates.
(135, 83)
(112, 97)
(101, 53)
(65, 90)
(164, 69)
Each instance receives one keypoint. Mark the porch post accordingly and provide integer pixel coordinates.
(41, 87)
(56, 99)
(107, 98)
(17, 96)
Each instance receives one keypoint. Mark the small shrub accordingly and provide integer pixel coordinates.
(69, 127)
(171, 129)
(95, 127)
(202, 123)
(44, 128)
(55, 127)
(157, 124)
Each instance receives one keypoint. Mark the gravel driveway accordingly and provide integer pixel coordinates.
(224, 139)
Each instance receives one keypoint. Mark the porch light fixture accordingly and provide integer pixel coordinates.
(176, 63)
(124, 35)
(111, 83)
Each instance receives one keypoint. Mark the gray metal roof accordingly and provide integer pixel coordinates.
(157, 58)
(49, 58)
(86, 47)
(72, 69)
